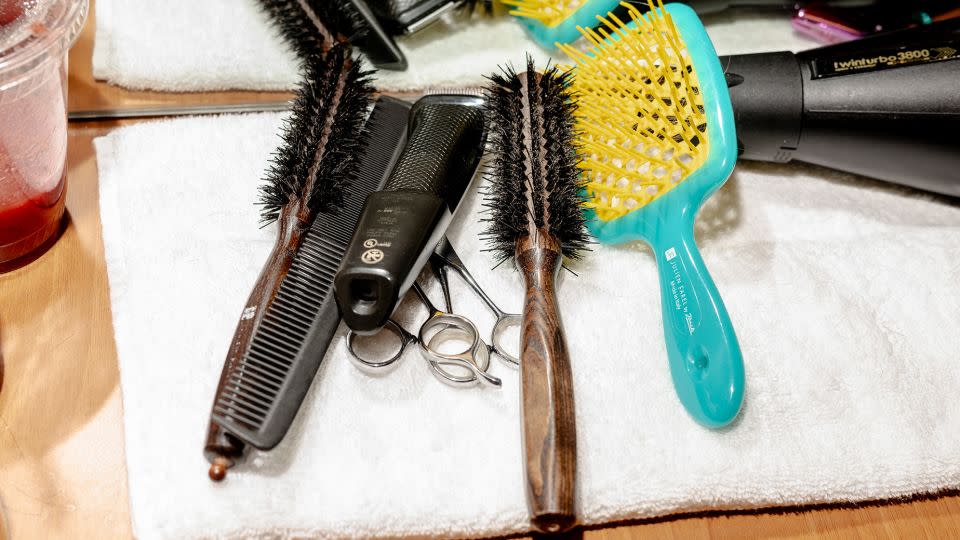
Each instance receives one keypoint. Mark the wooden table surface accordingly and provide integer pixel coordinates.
(62, 467)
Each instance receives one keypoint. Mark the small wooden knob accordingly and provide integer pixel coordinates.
(222, 451)
(218, 470)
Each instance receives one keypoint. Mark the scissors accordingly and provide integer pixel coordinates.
(463, 368)
(444, 259)
(442, 327)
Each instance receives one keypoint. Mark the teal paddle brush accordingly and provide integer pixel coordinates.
(657, 129)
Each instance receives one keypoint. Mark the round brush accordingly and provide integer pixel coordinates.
(537, 220)
(308, 23)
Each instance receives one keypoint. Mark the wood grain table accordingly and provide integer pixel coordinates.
(62, 465)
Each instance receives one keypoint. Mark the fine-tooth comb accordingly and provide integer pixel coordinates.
(291, 316)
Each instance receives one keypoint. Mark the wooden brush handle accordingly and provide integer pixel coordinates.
(546, 390)
(223, 450)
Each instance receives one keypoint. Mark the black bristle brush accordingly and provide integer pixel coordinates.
(291, 315)
(322, 141)
(306, 24)
(312, 26)
(536, 219)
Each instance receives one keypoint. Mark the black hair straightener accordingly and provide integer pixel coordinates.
(885, 106)
(401, 224)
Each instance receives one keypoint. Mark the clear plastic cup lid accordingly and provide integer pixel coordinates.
(33, 31)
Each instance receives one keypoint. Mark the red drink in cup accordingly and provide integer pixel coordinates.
(34, 38)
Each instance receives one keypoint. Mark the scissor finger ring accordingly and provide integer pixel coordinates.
(376, 367)
(481, 357)
(499, 329)
(472, 361)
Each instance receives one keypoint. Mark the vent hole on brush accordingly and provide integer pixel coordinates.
(697, 363)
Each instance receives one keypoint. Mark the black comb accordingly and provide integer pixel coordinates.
(298, 326)
(291, 316)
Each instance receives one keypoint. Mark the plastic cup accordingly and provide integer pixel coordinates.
(35, 36)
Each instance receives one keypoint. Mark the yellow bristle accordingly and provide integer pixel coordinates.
(547, 12)
(640, 111)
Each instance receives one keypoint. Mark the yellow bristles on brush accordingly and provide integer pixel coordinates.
(547, 12)
(641, 114)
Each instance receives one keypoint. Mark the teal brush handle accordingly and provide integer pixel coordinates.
(705, 359)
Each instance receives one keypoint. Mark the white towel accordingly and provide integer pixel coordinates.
(843, 292)
(185, 45)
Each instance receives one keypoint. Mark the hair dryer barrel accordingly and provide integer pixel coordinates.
(887, 106)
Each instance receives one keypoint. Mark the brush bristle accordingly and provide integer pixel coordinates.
(535, 180)
(308, 25)
(547, 12)
(322, 138)
(640, 111)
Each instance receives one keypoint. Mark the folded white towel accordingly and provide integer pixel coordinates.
(843, 292)
(184, 45)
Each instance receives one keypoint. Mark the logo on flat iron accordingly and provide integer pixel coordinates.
(372, 256)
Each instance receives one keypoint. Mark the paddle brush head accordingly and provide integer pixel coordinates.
(321, 139)
(535, 181)
(556, 21)
(546, 12)
(655, 116)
